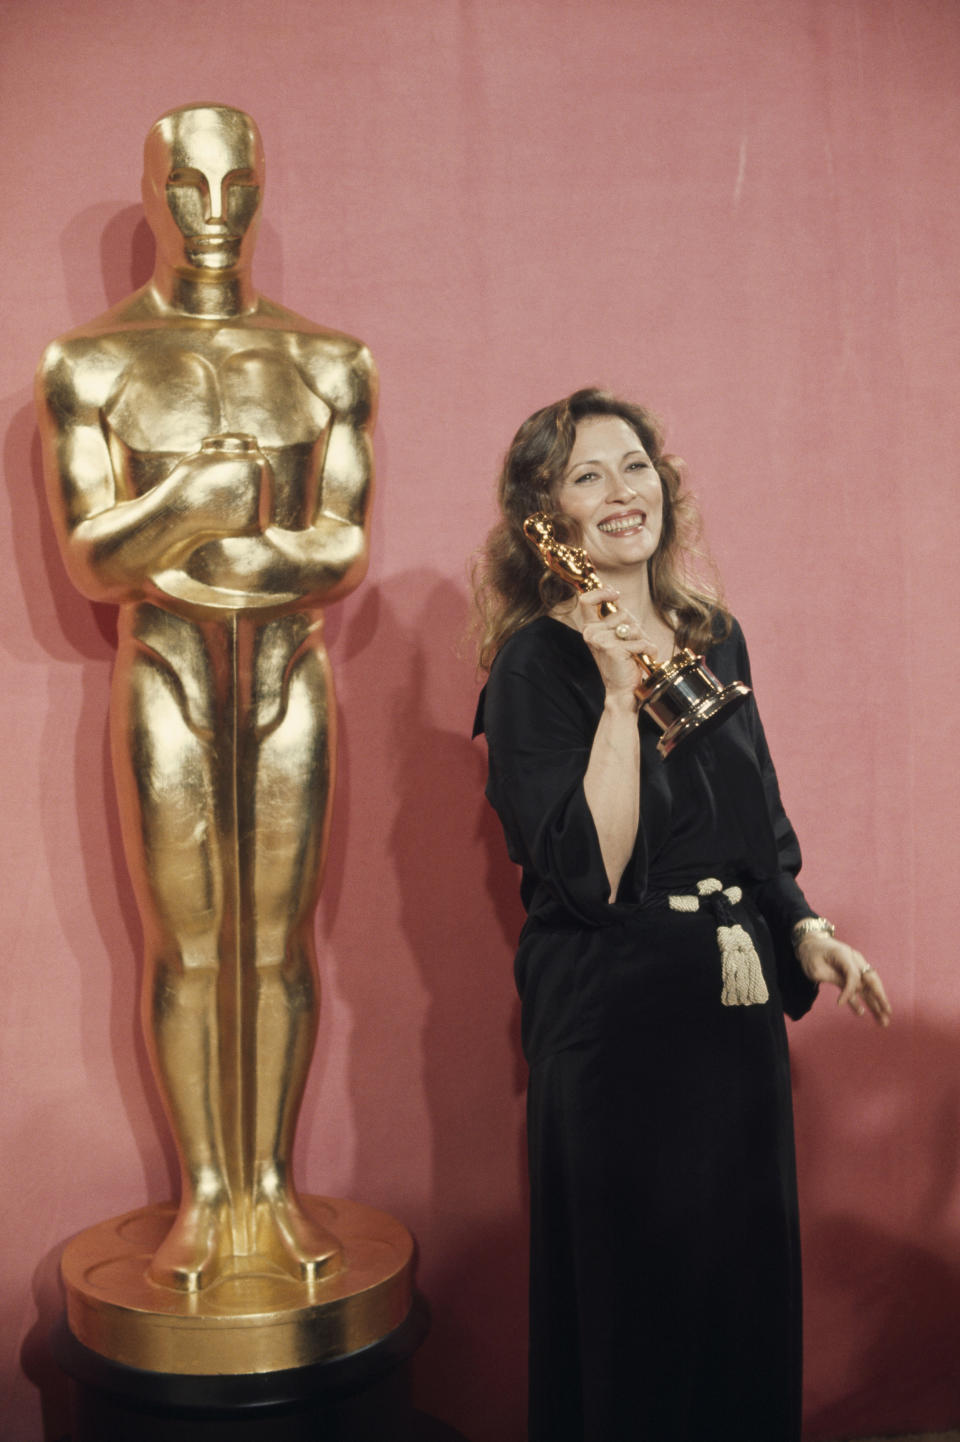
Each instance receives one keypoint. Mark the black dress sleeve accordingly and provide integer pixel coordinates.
(779, 896)
(540, 711)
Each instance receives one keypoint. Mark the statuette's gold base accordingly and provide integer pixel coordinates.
(254, 1317)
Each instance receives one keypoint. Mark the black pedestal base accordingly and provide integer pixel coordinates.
(360, 1397)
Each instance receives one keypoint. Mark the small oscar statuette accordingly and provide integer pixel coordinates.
(682, 695)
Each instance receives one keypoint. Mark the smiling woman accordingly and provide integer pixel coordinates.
(541, 473)
(666, 937)
(612, 491)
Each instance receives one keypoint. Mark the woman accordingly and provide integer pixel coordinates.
(665, 1286)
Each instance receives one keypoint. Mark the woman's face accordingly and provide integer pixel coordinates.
(610, 487)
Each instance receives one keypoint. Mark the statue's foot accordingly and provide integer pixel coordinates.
(189, 1257)
(301, 1245)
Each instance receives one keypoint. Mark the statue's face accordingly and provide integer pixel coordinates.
(202, 181)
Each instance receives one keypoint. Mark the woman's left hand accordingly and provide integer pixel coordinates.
(825, 958)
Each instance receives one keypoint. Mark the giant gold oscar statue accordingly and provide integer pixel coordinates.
(209, 468)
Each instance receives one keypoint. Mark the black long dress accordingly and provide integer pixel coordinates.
(665, 1279)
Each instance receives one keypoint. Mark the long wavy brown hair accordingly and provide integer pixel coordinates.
(511, 584)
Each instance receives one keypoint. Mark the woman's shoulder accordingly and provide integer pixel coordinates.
(545, 656)
(727, 631)
(728, 655)
(542, 637)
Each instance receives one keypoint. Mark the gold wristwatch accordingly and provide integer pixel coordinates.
(808, 926)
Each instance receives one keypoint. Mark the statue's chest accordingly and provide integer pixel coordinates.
(174, 394)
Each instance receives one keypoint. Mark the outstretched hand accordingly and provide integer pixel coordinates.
(825, 958)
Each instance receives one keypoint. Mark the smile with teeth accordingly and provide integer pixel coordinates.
(617, 525)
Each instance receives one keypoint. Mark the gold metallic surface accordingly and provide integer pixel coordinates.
(682, 695)
(254, 1317)
(209, 469)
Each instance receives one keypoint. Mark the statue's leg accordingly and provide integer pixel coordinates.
(292, 781)
(168, 801)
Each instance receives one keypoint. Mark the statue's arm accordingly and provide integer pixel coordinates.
(111, 545)
(321, 561)
(329, 557)
(325, 559)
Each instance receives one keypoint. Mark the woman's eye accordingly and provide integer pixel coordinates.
(587, 476)
(639, 466)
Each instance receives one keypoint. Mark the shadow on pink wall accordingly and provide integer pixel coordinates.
(882, 1288)
(458, 917)
(124, 242)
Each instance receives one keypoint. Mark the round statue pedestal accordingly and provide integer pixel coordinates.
(254, 1317)
(255, 1357)
(358, 1398)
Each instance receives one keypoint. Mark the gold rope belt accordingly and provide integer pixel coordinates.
(743, 980)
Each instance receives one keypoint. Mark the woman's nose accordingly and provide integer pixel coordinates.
(619, 489)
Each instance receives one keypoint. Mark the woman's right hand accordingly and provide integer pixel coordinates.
(616, 656)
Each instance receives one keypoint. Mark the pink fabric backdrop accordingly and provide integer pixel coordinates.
(744, 214)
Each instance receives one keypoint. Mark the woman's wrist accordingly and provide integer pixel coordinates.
(810, 926)
(621, 703)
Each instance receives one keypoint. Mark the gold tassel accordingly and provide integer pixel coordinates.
(743, 980)
(743, 983)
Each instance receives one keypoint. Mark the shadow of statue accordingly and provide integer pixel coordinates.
(437, 1013)
(121, 237)
(36, 1358)
(877, 1118)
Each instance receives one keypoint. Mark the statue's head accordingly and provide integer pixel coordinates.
(203, 174)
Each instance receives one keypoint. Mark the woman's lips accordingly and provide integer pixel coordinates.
(619, 525)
